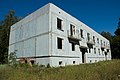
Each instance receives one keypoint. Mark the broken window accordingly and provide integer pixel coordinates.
(59, 43)
(59, 24)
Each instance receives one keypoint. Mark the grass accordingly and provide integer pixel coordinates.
(106, 70)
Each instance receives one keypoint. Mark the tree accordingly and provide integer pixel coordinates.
(12, 58)
(115, 41)
(107, 35)
(9, 20)
(117, 32)
(115, 47)
(115, 44)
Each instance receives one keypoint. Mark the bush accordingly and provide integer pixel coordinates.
(12, 58)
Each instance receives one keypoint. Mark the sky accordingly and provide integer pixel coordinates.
(100, 15)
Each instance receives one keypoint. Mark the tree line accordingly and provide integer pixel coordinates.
(114, 41)
(10, 19)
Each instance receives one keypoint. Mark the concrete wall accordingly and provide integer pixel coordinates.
(36, 36)
(29, 37)
(67, 50)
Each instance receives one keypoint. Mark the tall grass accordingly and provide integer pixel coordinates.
(107, 70)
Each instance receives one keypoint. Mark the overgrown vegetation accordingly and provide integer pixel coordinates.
(107, 70)
(12, 58)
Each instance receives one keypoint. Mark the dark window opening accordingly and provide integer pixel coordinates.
(59, 43)
(89, 50)
(104, 43)
(95, 50)
(73, 62)
(105, 53)
(98, 40)
(88, 36)
(72, 29)
(59, 24)
(107, 50)
(60, 62)
(99, 51)
(90, 61)
(90, 46)
(81, 32)
(25, 61)
(101, 42)
(94, 39)
(102, 49)
(73, 46)
(83, 50)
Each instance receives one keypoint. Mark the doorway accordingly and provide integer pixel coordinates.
(83, 57)
(105, 55)
(83, 50)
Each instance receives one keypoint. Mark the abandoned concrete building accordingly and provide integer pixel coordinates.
(52, 36)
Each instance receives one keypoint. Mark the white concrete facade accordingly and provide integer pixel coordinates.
(52, 36)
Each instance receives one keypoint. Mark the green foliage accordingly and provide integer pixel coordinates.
(107, 35)
(115, 41)
(115, 46)
(5, 25)
(117, 32)
(12, 58)
(48, 65)
(23, 65)
(107, 70)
